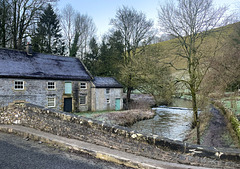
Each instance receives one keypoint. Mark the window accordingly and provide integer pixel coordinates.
(51, 101)
(108, 101)
(19, 85)
(51, 85)
(83, 99)
(83, 85)
(107, 91)
(68, 88)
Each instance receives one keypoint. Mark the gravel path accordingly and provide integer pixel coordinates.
(217, 134)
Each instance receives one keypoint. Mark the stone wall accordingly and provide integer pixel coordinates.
(117, 137)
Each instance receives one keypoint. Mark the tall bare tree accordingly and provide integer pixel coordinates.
(191, 21)
(24, 11)
(152, 76)
(86, 29)
(136, 31)
(67, 23)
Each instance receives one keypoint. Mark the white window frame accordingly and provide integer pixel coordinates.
(15, 85)
(49, 86)
(54, 101)
(108, 101)
(107, 90)
(85, 100)
(83, 85)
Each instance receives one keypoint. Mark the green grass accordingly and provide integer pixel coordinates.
(233, 104)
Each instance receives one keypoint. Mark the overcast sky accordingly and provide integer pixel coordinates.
(103, 10)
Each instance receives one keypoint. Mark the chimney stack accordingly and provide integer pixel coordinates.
(29, 49)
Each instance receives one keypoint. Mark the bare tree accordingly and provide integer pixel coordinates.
(191, 22)
(136, 31)
(152, 76)
(83, 33)
(67, 22)
(24, 11)
(86, 28)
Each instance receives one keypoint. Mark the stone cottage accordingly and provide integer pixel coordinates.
(58, 82)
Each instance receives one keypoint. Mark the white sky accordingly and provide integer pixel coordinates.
(103, 10)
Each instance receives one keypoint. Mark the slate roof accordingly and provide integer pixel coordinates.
(18, 64)
(106, 82)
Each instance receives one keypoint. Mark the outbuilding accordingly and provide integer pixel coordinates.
(108, 94)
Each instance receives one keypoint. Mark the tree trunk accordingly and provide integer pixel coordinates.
(49, 43)
(19, 43)
(4, 25)
(15, 25)
(129, 90)
(196, 122)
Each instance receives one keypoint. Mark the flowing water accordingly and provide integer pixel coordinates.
(170, 122)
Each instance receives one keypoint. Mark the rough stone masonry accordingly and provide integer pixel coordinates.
(117, 137)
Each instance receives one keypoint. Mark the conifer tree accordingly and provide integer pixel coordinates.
(111, 55)
(47, 38)
(74, 48)
(91, 58)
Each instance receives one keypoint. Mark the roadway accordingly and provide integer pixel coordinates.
(19, 153)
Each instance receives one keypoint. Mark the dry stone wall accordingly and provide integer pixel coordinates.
(117, 137)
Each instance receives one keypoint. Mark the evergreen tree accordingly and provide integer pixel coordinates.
(47, 36)
(111, 55)
(107, 59)
(74, 47)
(91, 59)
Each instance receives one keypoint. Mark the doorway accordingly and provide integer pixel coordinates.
(67, 105)
(117, 104)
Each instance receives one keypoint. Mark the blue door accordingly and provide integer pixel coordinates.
(68, 88)
(117, 104)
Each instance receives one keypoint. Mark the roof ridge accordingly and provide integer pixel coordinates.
(50, 54)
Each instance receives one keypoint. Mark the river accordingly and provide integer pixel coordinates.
(170, 122)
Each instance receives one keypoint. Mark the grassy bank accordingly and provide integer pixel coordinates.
(234, 123)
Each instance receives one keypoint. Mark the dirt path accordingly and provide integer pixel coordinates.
(217, 134)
